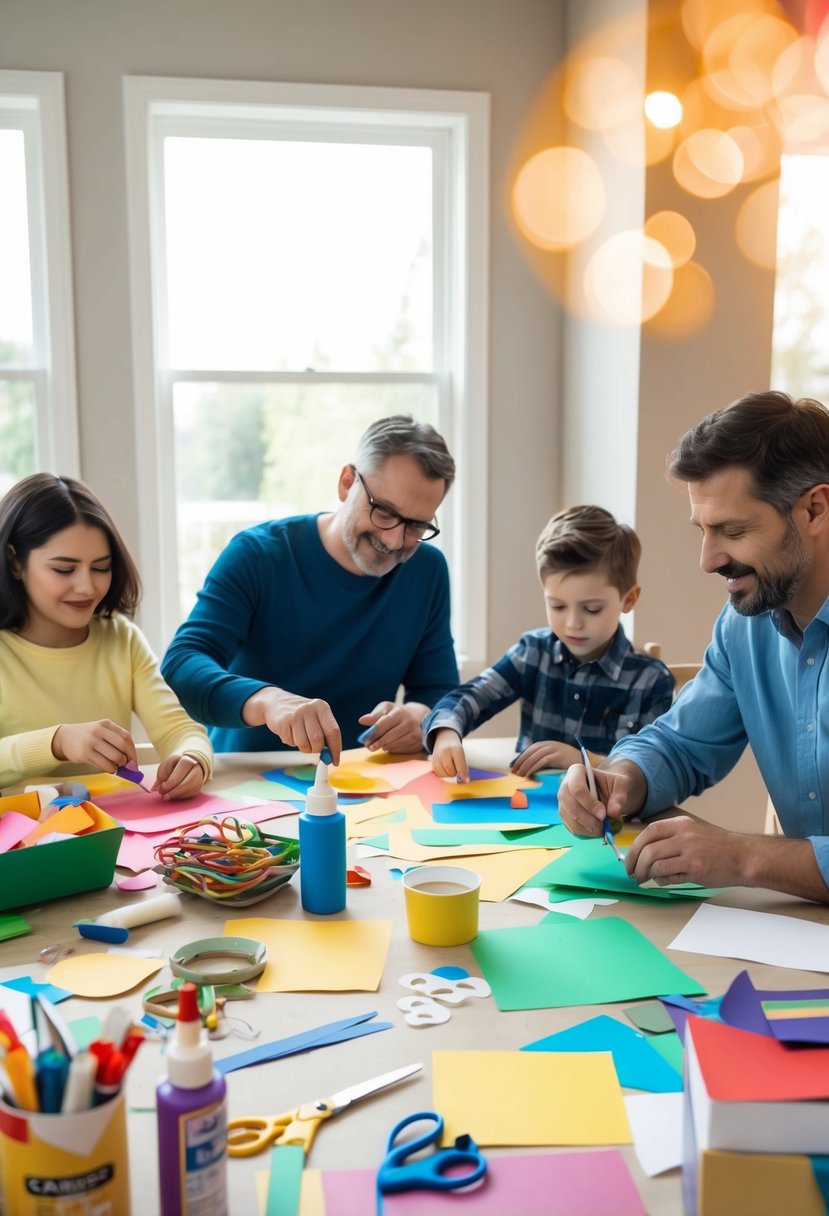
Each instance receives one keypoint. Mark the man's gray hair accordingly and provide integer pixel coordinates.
(400, 435)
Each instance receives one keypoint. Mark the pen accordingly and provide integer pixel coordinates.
(80, 1082)
(591, 785)
(51, 1071)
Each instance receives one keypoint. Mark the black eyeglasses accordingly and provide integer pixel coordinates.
(385, 518)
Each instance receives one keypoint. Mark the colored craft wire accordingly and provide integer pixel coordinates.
(229, 865)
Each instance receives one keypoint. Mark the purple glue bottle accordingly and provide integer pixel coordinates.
(192, 1120)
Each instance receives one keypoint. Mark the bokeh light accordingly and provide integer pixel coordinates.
(601, 93)
(708, 163)
(674, 233)
(756, 230)
(559, 198)
(689, 306)
(663, 109)
(628, 278)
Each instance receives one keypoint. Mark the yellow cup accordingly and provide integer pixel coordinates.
(62, 1163)
(442, 905)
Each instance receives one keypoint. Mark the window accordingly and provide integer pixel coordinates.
(304, 260)
(38, 424)
(800, 347)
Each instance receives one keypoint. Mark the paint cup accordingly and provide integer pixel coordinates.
(56, 1163)
(441, 905)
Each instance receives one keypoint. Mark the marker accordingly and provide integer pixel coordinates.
(80, 1082)
(21, 1074)
(51, 1072)
(607, 832)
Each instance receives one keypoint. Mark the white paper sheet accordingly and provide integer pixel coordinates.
(761, 937)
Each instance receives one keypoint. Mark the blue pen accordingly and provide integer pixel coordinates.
(51, 1068)
(607, 831)
(364, 738)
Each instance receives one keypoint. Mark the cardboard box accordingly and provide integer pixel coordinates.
(64, 867)
(756, 1184)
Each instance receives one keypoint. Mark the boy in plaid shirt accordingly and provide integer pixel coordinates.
(581, 676)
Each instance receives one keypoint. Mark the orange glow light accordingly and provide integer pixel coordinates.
(558, 198)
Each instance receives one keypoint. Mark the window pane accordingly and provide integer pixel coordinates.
(283, 256)
(17, 432)
(15, 273)
(247, 453)
(800, 358)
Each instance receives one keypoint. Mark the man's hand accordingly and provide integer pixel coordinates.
(548, 753)
(622, 790)
(179, 777)
(395, 728)
(104, 745)
(448, 756)
(300, 722)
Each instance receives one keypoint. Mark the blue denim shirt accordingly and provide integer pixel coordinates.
(762, 683)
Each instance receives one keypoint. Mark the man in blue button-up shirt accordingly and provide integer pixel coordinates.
(758, 482)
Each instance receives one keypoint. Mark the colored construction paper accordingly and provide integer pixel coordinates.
(318, 956)
(679, 1007)
(501, 873)
(650, 1016)
(403, 846)
(790, 1015)
(578, 963)
(365, 818)
(13, 926)
(572, 1184)
(638, 1066)
(102, 975)
(137, 849)
(71, 820)
(670, 1048)
(285, 1182)
(492, 810)
(14, 827)
(430, 788)
(396, 770)
(761, 937)
(85, 1030)
(656, 1122)
(591, 865)
(525, 1098)
(319, 1036)
(29, 987)
(137, 882)
(260, 790)
(140, 811)
(555, 837)
(572, 903)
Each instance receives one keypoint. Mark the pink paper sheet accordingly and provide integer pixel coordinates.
(140, 811)
(14, 827)
(572, 1184)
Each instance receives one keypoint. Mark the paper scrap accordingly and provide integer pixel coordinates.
(656, 1122)
(637, 1064)
(318, 956)
(502, 873)
(761, 937)
(102, 975)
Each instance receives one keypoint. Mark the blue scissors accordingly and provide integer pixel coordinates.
(398, 1173)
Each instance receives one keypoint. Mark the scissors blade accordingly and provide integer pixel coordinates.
(355, 1092)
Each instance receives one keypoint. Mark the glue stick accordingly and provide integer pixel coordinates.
(191, 1105)
(322, 858)
(142, 913)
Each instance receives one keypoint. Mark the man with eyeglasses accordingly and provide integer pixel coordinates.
(306, 627)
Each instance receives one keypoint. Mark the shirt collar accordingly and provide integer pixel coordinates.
(784, 622)
(610, 662)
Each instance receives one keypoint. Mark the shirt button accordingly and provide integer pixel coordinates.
(811, 662)
(812, 795)
(809, 726)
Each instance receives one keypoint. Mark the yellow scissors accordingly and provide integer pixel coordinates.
(253, 1133)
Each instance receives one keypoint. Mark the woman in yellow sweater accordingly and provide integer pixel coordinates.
(74, 667)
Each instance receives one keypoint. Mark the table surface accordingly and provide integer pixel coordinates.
(357, 1137)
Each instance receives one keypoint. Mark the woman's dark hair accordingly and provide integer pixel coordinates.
(35, 509)
(783, 445)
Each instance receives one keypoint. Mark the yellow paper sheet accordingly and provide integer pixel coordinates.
(490, 787)
(365, 819)
(101, 975)
(318, 956)
(503, 873)
(529, 1097)
(69, 819)
(403, 845)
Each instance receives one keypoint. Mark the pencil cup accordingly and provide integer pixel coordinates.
(442, 905)
(59, 1163)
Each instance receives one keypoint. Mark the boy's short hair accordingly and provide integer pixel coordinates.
(585, 538)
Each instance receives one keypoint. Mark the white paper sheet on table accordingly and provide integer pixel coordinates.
(540, 897)
(656, 1123)
(760, 937)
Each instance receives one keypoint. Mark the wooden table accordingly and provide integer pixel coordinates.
(356, 1138)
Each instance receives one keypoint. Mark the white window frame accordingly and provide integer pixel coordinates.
(33, 103)
(155, 107)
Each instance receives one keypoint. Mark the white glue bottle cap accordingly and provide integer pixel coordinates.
(189, 1059)
(321, 799)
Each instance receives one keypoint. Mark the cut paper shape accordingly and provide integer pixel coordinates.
(656, 1123)
(357, 876)
(650, 1016)
(590, 865)
(14, 827)
(102, 975)
(137, 882)
(514, 1097)
(572, 904)
(572, 1184)
(421, 1011)
(493, 810)
(760, 937)
(449, 992)
(502, 873)
(365, 818)
(451, 973)
(285, 1180)
(403, 846)
(72, 820)
(265, 790)
(136, 851)
(308, 1040)
(141, 811)
(790, 1015)
(431, 789)
(527, 969)
(638, 1066)
(518, 801)
(318, 956)
(13, 926)
(396, 770)
(34, 988)
(554, 837)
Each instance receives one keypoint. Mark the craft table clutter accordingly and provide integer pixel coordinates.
(544, 1042)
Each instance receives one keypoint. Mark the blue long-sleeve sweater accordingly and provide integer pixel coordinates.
(276, 608)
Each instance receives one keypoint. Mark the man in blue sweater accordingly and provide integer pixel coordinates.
(306, 627)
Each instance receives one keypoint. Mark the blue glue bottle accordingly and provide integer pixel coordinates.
(322, 859)
(191, 1108)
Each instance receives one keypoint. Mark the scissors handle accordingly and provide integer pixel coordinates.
(254, 1133)
(397, 1173)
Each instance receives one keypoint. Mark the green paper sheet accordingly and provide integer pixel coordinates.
(13, 926)
(591, 866)
(285, 1181)
(670, 1048)
(650, 1016)
(588, 962)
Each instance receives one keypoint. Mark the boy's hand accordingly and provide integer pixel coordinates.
(547, 753)
(394, 727)
(448, 756)
(179, 777)
(104, 745)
